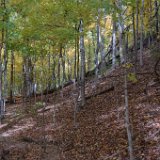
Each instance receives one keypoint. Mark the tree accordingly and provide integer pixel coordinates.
(141, 33)
(114, 43)
(82, 54)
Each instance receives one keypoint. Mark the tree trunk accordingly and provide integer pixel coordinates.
(134, 56)
(59, 71)
(1, 69)
(150, 24)
(103, 62)
(157, 16)
(78, 60)
(69, 69)
(1, 111)
(30, 77)
(25, 86)
(127, 121)
(54, 73)
(114, 45)
(98, 46)
(12, 78)
(35, 83)
(82, 53)
(26, 79)
(123, 45)
(121, 31)
(5, 54)
(41, 78)
(89, 57)
(142, 33)
(75, 54)
(64, 64)
(5, 75)
(49, 72)
(137, 31)
(128, 127)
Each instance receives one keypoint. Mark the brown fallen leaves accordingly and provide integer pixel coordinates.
(100, 133)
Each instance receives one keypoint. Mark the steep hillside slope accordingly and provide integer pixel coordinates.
(98, 131)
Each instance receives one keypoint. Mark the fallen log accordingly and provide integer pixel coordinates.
(100, 93)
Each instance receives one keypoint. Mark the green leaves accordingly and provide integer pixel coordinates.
(132, 77)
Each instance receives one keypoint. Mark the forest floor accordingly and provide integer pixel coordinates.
(99, 133)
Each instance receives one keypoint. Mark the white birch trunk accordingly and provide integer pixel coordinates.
(114, 45)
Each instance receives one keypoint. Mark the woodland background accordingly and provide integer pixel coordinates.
(72, 53)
